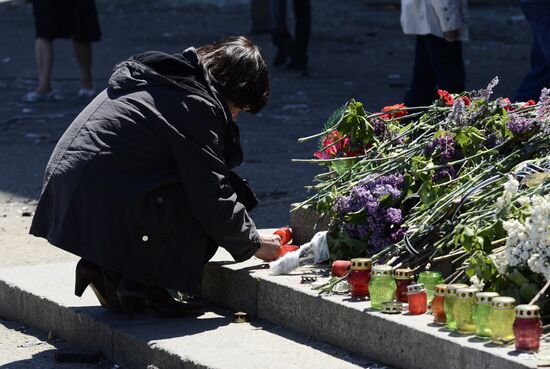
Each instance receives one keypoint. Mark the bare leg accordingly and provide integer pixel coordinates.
(83, 53)
(44, 61)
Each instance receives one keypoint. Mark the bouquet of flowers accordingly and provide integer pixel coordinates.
(419, 186)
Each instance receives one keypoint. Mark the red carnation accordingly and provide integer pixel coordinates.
(395, 114)
(446, 97)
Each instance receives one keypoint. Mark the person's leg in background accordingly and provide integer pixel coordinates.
(44, 61)
(538, 77)
(423, 84)
(281, 37)
(447, 62)
(302, 14)
(83, 54)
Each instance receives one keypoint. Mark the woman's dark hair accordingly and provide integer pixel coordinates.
(235, 66)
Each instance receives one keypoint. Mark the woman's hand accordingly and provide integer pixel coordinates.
(269, 251)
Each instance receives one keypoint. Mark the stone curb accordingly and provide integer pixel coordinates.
(41, 296)
(404, 341)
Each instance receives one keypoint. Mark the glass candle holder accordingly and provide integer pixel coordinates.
(403, 279)
(430, 279)
(359, 277)
(501, 320)
(391, 307)
(463, 310)
(450, 299)
(527, 328)
(382, 286)
(418, 299)
(438, 304)
(481, 314)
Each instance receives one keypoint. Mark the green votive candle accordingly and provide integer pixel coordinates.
(382, 286)
(430, 279)
(450, 299)
(481, 314)
(463, 309)
(501, 320)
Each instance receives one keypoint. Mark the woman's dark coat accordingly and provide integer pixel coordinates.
(139, 184)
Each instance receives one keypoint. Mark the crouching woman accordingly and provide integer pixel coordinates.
(140, 185)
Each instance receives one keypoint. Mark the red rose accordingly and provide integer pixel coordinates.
(466, 100)
(446, 97)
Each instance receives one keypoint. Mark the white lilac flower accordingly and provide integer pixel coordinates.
(510, 188)
(477, 283)
(528, 242)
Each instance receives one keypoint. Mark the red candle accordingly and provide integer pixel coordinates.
(359, 277)
(285, 233)
(418, 299)
(527, 328)
(438, 304)
(340, 267)
(404, 278)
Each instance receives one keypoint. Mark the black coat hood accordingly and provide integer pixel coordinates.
(182, 71)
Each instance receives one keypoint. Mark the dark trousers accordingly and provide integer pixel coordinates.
(297, 48)
(438, 64)
(538, 77)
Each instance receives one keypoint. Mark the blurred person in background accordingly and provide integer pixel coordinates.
(140, 185)
(70, 19)
(537, 13)
(440, 27)
(291, 49)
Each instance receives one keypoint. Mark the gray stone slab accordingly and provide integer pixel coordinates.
(404, 341)
(41, 296)
(305, 222)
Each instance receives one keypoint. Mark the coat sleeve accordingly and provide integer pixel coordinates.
(449, 13)
(193, 132)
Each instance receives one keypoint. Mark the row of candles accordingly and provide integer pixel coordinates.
(457, 306)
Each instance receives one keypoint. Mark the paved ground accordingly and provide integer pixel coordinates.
(357, 51)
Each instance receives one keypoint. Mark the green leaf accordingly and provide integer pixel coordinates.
(359, 217)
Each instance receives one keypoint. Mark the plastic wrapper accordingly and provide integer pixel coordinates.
(312, 252)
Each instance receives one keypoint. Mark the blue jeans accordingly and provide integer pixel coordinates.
(537, 13)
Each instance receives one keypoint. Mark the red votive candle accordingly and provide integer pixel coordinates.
(359, 277)
(403, 278)
(438, 304)
(418, 299)
(527, 328)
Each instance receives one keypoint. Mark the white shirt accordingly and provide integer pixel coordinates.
(433, 17)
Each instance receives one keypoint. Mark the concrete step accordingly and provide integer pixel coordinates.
(41, 296)
(404, 341)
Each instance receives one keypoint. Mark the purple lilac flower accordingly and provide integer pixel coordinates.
(493, 140)
(456, 117)
(445, 174)
(543, 110)
(380, 128)
(366, 195)
(445, 146)
(486, 92)
(394, 216)
(398, 235)
(518, 124)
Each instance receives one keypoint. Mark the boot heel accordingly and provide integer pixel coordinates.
(129, 305)
(80, 284)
